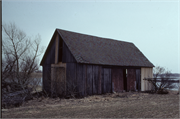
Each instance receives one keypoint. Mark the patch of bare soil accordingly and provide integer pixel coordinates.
(119, 105)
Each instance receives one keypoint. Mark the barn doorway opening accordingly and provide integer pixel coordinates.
(125, 79)
(138, 79)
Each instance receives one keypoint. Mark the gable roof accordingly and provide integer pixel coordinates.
(104, 51)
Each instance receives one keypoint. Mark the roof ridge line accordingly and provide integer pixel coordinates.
(95, 36)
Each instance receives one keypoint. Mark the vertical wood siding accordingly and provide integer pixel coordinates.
(131, 78)
(80, 79)
(99, 79)
(146, 73)
(107, 80)
(67, 56)
(102, 81)
(85, 79)
(95, 79)
(89, 80)
(56, 48)
(117, 80)
(70, 76)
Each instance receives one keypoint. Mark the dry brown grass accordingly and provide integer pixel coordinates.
(128, 105)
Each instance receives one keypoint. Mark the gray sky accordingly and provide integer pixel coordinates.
(152, 25)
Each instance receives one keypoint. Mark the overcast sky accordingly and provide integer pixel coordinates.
(152, 25)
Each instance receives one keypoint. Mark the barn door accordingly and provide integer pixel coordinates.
(131, 78)
(138, 79)
(117, 80)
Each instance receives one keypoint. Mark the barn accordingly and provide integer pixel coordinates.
(89, 65)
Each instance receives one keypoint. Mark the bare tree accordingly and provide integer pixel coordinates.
(161, 79)
(19, 59)
(157, 71)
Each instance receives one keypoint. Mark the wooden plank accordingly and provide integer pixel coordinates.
(99, 79)
(110, 82)
(117, 80)
(67, 56)
(70, 77)
(131, 79)
(85, 79)
(89, 80)
(52, 54)
(79, 78)
(64, 53)
(95, 79)
(121, 81)
(60, 49)
(102, 80)
(146, 73)
(56, 49)
(107, 80)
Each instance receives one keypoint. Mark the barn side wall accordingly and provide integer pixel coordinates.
(146, 73)
(96, 79)
(88, 79)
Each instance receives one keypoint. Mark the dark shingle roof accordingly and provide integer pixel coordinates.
(104, 51)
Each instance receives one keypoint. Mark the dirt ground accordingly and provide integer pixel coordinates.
(127, 105)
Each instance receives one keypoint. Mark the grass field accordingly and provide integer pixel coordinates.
(128, 105)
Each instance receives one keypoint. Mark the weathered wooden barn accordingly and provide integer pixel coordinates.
(93, 65)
